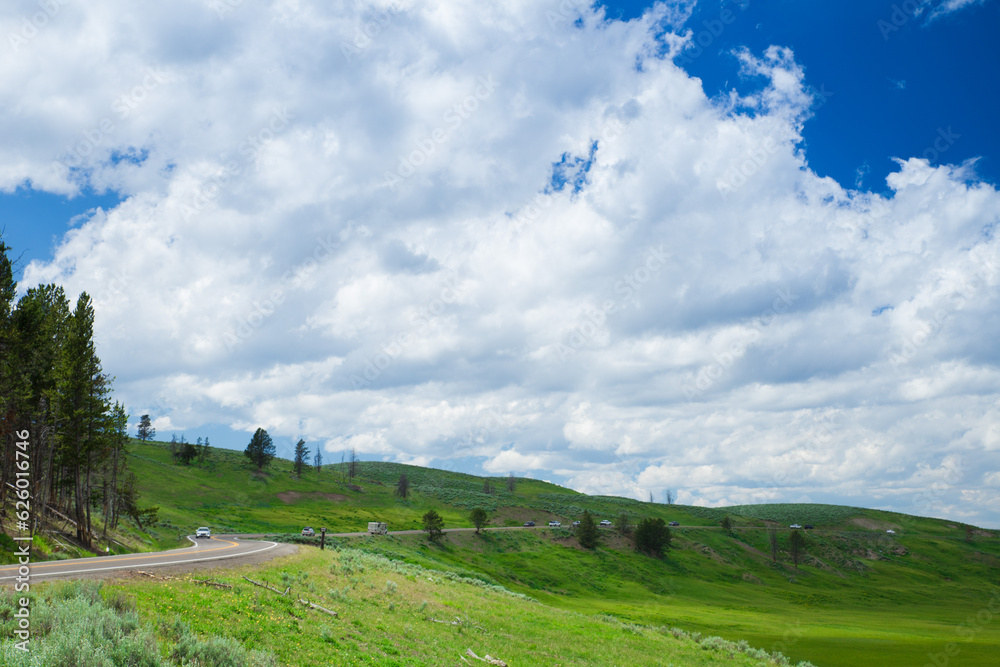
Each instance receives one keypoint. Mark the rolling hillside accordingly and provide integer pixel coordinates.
(858, 596)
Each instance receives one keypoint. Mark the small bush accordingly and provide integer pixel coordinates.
(218, 652)
(73, 626)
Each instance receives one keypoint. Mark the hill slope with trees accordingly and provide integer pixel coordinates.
(64, 464)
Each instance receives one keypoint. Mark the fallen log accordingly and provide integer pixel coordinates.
(487, 659)
(271, 588)
(317, 607)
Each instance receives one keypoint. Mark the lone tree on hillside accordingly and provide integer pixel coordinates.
(797, 546)
(301, 457)
(188, 452)
(668, 496)
(479, 517)
(772, 538)
(487, 487)
(146, 430)
(203, 453)
(403, 487)
(652, 537)
(511, 482)
(621, 524)
(433, 524)
(261, 450)
(318, 462)
(727, 524)
(587, 532)
(352, 466)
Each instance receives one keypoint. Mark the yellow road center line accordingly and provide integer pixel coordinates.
(118, 559)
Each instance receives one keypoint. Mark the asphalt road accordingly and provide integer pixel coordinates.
(201, 552)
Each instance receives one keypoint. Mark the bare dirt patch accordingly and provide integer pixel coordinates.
(872, 524)
(289, 497)
(712, 553)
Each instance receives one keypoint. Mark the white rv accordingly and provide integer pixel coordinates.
(378, 528)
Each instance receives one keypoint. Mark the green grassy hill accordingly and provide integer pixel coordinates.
(859, 596)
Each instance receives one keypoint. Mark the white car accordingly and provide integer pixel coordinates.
(554, 524)
(605, 523)
(891, 531)
(203, 532)
(795, 526)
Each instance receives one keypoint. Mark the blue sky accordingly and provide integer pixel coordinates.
(349, 224)
(894, 84)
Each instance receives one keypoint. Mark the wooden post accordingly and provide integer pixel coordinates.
(322, 538)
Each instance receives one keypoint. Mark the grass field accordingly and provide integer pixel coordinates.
(890, 612)
(930, 594)
(397, 614)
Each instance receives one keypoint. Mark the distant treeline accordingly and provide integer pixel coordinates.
(63, 440)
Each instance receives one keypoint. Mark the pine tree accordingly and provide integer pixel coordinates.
(11, 395)
(261, 449)
(82, 405)
(301, 457)
(188, 451)
(115, 465)
(652, 537)
(318, 462)
(352, 467)
(403, 487)
(54, 393)
(796, 547)
(433, 524)
(145, 431)
(587, 533)
(479, 517)
(40, 324)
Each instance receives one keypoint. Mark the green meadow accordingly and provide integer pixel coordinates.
(928, 594)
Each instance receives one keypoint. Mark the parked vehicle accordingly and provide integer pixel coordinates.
(528, 524)
(891, 531)
(378, 528)
(605, 522)
(202, 532)
(807, 527)
(308, 532)
(673, 523)
(554, 524)
(795, 526)
(576, 523)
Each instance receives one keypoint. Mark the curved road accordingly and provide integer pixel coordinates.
(200, 551)
(201, 554)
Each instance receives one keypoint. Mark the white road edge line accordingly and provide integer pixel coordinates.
(130, 567)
